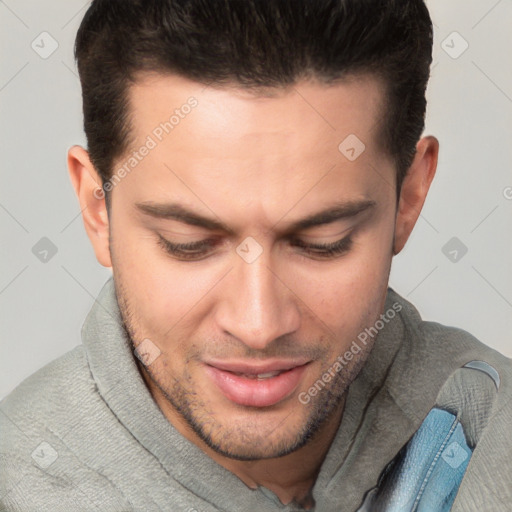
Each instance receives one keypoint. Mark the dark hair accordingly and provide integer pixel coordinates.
(255, 44)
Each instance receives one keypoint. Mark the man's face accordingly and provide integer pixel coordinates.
(253, 299)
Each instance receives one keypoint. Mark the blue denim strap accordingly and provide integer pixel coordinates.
(427, 472)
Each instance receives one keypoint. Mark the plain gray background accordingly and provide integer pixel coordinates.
(44, 303)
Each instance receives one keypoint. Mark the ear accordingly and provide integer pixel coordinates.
(87, 184)
(414, 190)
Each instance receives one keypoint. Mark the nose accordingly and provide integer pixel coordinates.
(257, 305)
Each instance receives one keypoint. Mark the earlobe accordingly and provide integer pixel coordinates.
(87, 185)
(414, 190)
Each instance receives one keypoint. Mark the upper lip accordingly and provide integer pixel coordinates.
(252, 368)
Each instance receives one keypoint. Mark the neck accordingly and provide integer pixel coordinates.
(290, 477)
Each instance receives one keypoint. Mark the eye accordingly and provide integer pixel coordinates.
(325, 250)
(194, 251)
(190, 251)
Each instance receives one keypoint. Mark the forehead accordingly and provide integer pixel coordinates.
(270, 148)
(270, 115)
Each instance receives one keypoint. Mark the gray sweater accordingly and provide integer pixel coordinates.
(84, 434)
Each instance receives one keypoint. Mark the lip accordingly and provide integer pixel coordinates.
(270, 365)
(252, 392)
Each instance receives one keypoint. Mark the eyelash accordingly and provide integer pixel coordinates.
(196, 250)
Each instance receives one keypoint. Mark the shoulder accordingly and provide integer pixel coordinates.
(476, 382)
(445, 345)
(41, 462)
(50, 393)
(35, 419)
(49, 400)
(433, 354)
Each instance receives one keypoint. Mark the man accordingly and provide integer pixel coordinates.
(252, 168)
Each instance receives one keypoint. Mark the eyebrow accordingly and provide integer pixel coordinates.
(180, 213)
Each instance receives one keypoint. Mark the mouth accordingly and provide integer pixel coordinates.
(261, 385)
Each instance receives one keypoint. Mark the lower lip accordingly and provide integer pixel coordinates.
(253, 392)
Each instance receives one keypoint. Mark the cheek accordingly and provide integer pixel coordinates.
(169, 297)
(160, 292)
(347, 295)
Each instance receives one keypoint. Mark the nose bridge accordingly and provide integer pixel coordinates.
(258, 307)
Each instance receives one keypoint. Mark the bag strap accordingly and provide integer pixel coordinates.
(426, 473)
